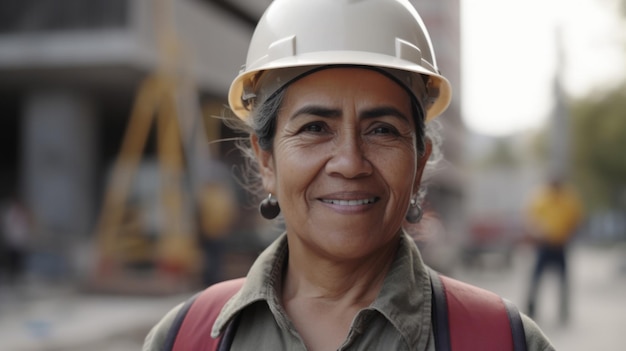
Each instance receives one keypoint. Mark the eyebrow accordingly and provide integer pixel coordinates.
(384, 111)
(375, 112)
(315, 110)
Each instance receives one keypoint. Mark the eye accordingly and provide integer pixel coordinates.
(381, 130)
(384, 130)
(315, 127)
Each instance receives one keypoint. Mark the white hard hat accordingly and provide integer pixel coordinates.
(297, 36)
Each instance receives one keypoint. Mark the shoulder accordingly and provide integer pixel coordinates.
(156, 337)
(464, 300)
(199, 312)
(536, 340)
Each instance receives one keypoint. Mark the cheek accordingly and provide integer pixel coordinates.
(296, 167)
(399, 171)
(398, 163)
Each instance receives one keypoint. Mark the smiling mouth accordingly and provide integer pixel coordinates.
(350, 202)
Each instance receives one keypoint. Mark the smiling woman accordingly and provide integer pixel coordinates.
(339, 113)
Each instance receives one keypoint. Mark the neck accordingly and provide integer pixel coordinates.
(353, 282)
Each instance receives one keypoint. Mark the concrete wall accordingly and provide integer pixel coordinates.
(212, 47)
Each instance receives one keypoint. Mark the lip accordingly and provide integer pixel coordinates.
(349, 201)
(359, 202)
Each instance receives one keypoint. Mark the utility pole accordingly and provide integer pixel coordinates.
(559, 155)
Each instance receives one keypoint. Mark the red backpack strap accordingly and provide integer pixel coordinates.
(192, 326)
(468, 318)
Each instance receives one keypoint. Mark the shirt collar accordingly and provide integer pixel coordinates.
(404, 300)
(263, 282)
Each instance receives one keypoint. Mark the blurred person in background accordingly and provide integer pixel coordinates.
(338, 98)
(554, 214)
(16, 226)
(217, 213)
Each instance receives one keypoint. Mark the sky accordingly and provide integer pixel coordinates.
(509, 58)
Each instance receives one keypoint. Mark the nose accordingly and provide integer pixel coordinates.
(348, 158)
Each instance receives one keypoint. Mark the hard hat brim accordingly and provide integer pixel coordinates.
(439, 87)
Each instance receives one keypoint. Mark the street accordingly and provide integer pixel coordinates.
(598, 296)
(56, 319)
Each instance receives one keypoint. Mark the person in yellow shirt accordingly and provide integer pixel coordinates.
(554, 214)
(218, 212)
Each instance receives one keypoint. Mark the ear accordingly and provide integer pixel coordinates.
(421, 165)
(265, 160)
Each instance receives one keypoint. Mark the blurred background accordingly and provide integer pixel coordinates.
(119, 188)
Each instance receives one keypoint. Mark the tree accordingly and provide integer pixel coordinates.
(599, 135)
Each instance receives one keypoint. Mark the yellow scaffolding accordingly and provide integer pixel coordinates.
(174, 254)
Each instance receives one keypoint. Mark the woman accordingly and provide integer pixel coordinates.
(338, 96)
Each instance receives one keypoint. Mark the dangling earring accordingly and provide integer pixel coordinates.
(269, 207)
(415, 212)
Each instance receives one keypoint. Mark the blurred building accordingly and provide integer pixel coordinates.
(69, 74)
(70, 71)
(446, 194)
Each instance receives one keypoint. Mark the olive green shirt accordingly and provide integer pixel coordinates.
(399, 318)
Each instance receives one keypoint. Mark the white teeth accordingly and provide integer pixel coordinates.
(350, 202)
